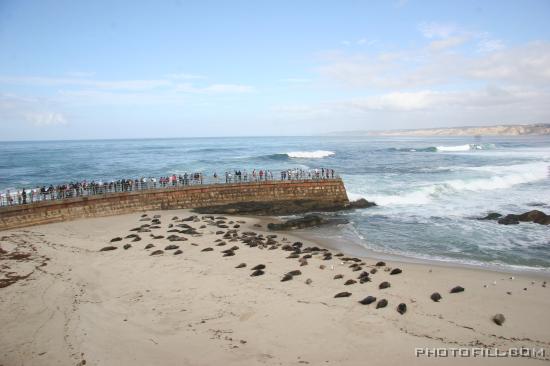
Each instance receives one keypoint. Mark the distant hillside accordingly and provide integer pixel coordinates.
(501, 130)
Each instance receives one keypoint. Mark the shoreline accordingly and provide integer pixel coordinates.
(401, 258)
(128, 307)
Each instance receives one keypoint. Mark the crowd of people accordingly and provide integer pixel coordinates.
(85, 188)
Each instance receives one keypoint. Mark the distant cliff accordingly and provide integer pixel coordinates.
(502, 130)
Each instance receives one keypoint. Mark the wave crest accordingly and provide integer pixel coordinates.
(318, 154)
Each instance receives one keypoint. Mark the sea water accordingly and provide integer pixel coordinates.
(429, 191)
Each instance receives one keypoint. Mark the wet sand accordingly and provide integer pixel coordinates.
(64, 302)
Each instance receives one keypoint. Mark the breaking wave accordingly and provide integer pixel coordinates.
(455, 148)
(503, 177)
(317, 154)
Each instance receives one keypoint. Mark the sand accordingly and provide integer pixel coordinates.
(70, 304)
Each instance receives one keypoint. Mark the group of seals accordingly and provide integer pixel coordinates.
(228, 232)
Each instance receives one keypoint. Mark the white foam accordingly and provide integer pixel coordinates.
(503, 177)
(467, 147)
(318, 154)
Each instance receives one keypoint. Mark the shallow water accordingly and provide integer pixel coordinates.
(429, 190)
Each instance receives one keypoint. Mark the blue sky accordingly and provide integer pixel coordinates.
(115, 69)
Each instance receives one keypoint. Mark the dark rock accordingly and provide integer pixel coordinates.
(257, 272)
(367, 300)
(177, 252)
(106, 249)
(384, 285)
(436, 297)
(535, 216)
(171, 247)
(157, 252)
(242, 265)
(457, 289)
(396, 271)
(299, 223)
(361, 203)
(382, 304)
(343, 294)
(491, 216)
(277, 208)
(499, 319)
(127, 246)
(402, 308)
(118, 238)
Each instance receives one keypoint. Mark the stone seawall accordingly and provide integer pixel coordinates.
(322, 193)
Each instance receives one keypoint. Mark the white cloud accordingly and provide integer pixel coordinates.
(437, 30)
(38, 112)
(490, 45)
(450, 42)
(46, 118)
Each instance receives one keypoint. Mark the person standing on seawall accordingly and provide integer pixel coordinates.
(24, 196)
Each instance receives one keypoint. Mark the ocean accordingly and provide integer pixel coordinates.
(430, 190)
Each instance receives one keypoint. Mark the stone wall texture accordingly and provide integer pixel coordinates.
(326, 192)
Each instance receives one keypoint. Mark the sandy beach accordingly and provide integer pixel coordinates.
(65, 302)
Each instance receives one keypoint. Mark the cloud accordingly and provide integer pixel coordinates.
(38, 112)
(450, 42)
(436, 30)
(490, 45)
(99, 84)
(45, 118)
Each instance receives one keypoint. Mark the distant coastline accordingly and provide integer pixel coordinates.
(540, 129)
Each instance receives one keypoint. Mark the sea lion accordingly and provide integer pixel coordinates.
(229, 253)
(127, 246)
(457, 289)
(108, 248)
(395, 271)
(350, 282)
(309, 281)
(367, 300)
(364, 279)
(338, 276)
(118, 238)
(179, 251)
(322, 266)
(286, 277)
(156, 252)
(357, 269)
(380, 264)
(242, 265)
(382, 304)
(207, 249)
(384, 285)
(373, 271)
(294, 255)
(402, 308)
(149, 246)
(171, 247)
(303, 262)
(295, 273)
(342, 294)
(259, 266)
(436, 297)
(258, 272)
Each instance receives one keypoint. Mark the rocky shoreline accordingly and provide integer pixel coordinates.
(534, 216)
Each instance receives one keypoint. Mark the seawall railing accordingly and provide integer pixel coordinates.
(25, 196)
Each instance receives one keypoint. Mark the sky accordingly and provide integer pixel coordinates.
(140, 69)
